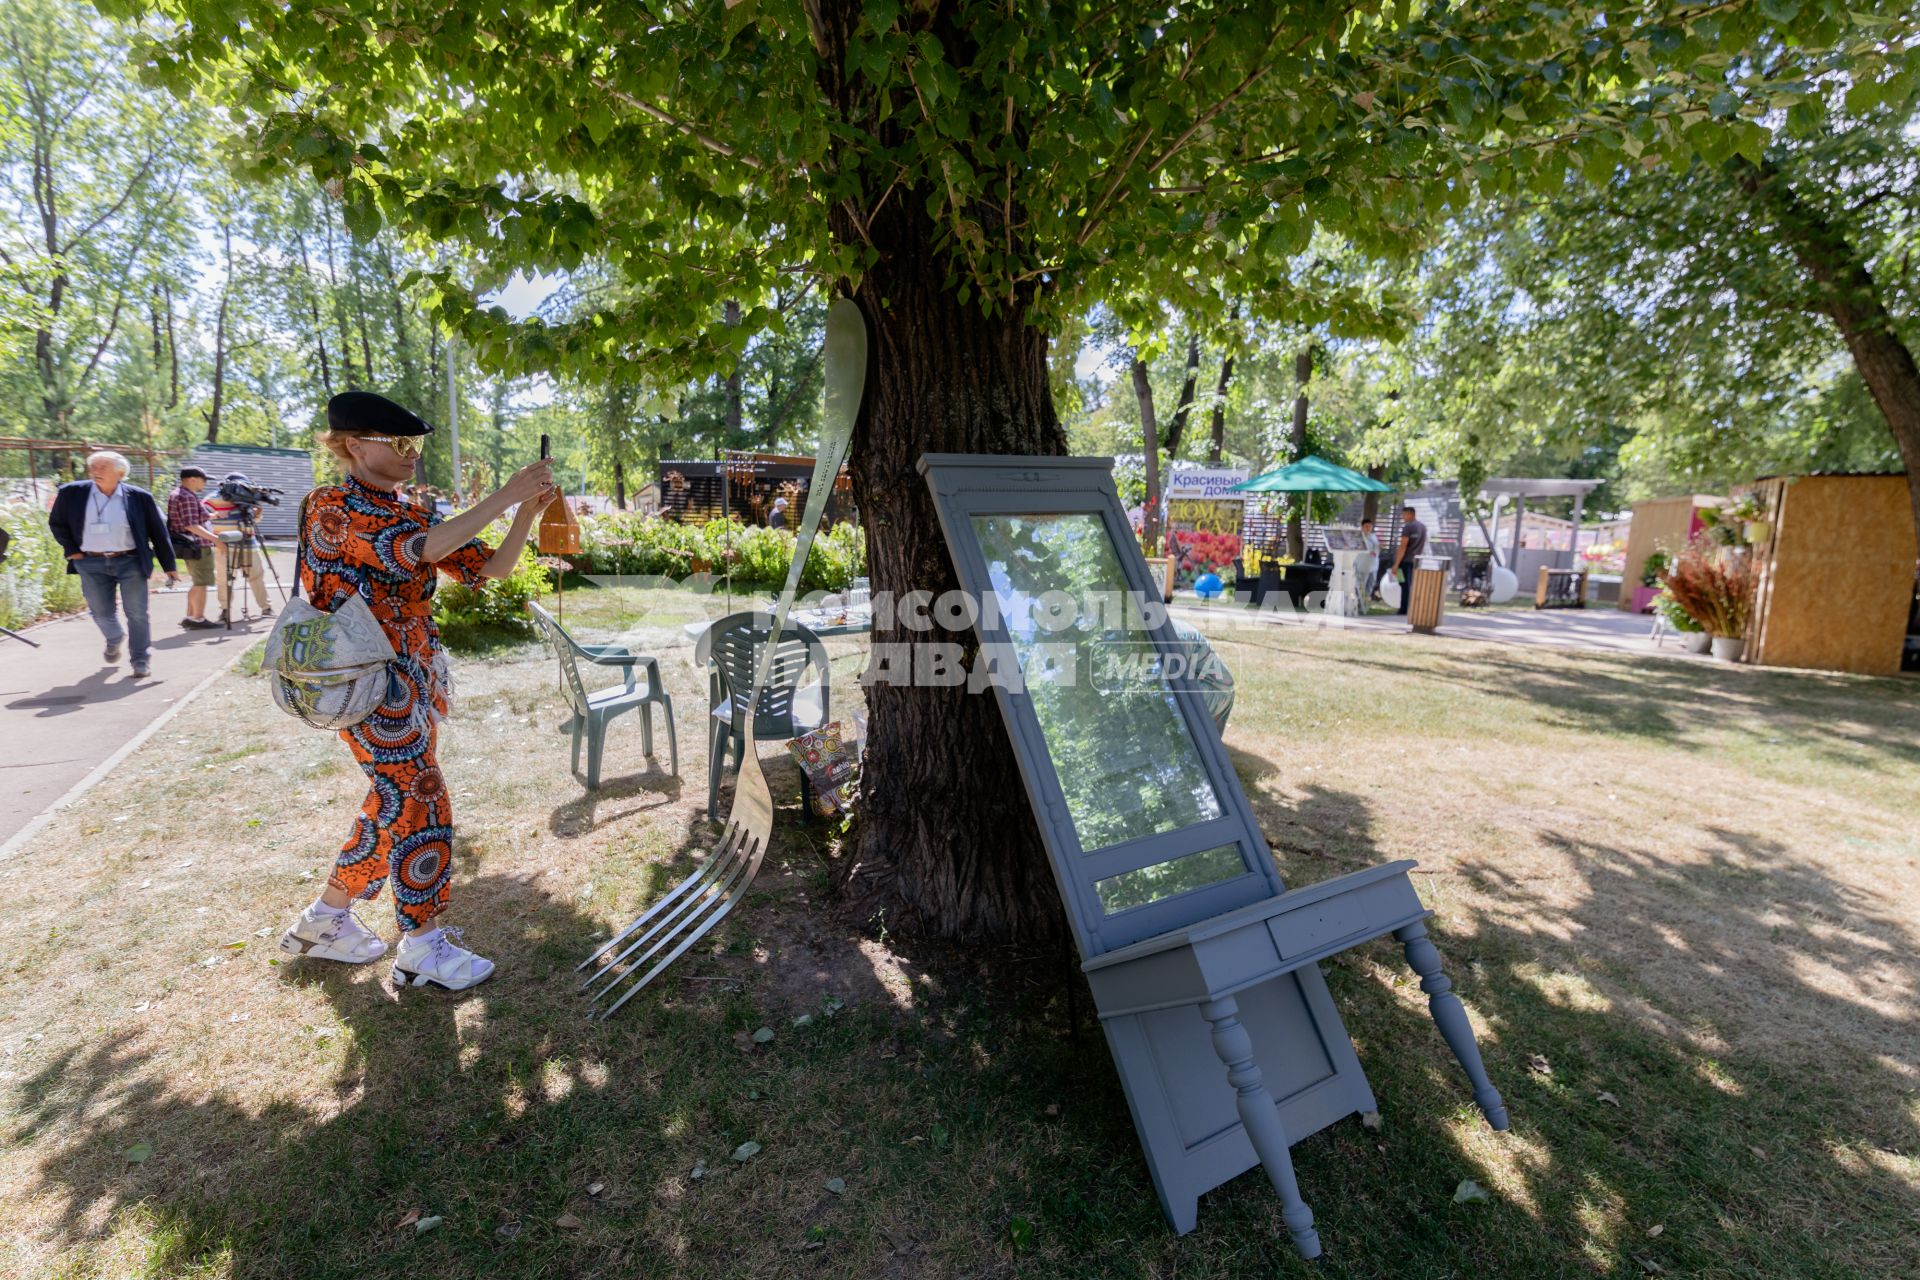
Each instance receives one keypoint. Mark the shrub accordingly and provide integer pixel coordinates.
(624, 542)
(34, 581)
(839, 555)
(1656, 567)
(500, 605)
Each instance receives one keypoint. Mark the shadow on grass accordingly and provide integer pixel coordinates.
(975, 1136)
(1849, 720)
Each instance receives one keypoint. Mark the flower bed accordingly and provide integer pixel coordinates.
(1197, 552)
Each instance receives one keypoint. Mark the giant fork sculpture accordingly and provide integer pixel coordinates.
(673, 924)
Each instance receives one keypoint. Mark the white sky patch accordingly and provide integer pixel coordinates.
(524, 293)
(1097, 360)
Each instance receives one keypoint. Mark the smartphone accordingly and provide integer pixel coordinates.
(546, 447)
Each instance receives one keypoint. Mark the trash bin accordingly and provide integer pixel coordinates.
(1429, 594)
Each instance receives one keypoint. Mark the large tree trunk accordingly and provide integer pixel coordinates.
(220, 345)
(1370, 505)
(735, 417)
(312, 288)
(173, 357)
(1847, 294)
(1296, 523)
(1150, 452)
(1189, 384)
(945, 843)
(1217, 437)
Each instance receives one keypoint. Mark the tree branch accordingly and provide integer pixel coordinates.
(705, 139)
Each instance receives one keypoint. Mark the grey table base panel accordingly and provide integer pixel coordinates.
(1186, 1111)
(1228, 1044)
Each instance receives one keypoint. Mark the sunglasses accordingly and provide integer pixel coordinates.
(405, 446)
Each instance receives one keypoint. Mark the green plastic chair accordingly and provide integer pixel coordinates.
(593, 710)
(790, 705)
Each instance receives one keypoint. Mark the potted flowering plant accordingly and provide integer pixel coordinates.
(1715, 589)
(1692, 638)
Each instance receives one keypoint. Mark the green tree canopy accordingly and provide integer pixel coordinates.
(971, 173)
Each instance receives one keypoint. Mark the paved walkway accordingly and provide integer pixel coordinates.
(64, 712)
(1601, 627)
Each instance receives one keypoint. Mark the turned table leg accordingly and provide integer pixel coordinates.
(1451, 1017)
(1261, 1119)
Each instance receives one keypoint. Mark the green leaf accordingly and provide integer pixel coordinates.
(1781, 11)
(745, 1152)
(139, 1151)
(1460, 101)
(836, 1186)
(599, 122)
(361, 215)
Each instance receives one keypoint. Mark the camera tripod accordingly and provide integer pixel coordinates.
(239, 576)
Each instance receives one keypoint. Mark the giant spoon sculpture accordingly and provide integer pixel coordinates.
(642, 951)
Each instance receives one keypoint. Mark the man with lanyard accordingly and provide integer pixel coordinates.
(188, 522)
(112, 533)
(1413, 541)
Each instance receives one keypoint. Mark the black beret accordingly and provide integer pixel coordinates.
(365, 411)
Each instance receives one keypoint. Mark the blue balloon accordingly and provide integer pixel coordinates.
(1208, 585)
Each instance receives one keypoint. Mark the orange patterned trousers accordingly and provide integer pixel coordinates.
(405, 829)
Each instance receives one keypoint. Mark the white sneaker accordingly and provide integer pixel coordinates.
(439, 962)
(323, 935)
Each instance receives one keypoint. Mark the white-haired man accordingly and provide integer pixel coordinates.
(112, 533)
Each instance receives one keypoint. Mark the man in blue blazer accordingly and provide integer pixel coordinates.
(112, 531)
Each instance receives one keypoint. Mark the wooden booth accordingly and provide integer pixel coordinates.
(744, 485)
(1664, 524)
(1834, 560)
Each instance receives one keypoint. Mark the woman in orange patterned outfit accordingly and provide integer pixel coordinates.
(361, 538)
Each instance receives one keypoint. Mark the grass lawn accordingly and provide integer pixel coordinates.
(1679, 901)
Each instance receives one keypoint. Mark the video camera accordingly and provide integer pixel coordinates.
(248, 495)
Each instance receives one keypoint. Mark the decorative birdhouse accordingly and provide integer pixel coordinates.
(559, 531)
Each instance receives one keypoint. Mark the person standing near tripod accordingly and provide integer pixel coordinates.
(188, 521)
(360, 537)
(237, 551)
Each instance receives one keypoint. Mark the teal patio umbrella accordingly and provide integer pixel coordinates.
(1312, 474)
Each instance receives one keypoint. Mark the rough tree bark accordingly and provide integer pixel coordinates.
(1189, 384)
(339, 310)
(173, 357)
(220, 347)
(1846, 293)
(734, 415)
(1217, 437)
(945, 843)
(313, 306)
(1296, 523)
(1150, 451)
